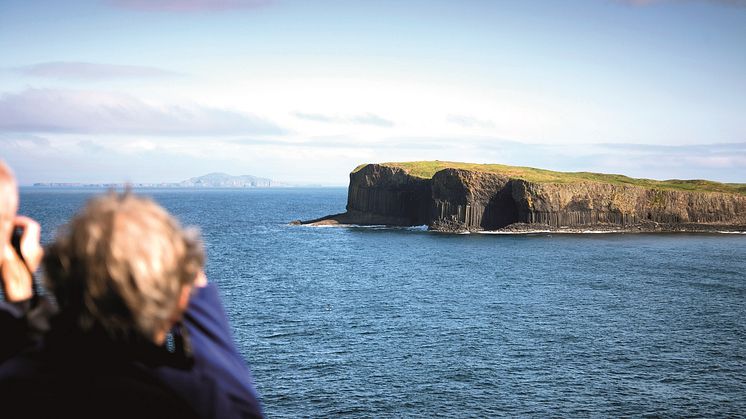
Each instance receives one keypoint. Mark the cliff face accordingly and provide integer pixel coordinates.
(467, 200)
(591, 203)
(387, 195)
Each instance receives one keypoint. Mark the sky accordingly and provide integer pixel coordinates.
(302, 91)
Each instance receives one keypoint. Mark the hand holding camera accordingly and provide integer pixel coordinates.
(20, 259)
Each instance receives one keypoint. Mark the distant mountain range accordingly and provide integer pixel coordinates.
(210, 180)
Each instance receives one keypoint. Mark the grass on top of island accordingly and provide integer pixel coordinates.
(426, 170)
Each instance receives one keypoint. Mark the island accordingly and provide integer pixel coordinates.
(466, 197)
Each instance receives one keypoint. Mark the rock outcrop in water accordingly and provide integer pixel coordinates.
(471, 200)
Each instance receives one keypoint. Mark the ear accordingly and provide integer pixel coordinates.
(186, 292)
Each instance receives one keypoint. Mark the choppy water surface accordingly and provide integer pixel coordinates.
(404, 322)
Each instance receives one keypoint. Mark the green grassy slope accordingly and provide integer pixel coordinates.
(426, 169)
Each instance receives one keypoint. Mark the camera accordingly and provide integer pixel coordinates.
(15, 240)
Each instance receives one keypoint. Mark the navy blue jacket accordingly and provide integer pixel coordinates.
(89, 375)
(219, 384)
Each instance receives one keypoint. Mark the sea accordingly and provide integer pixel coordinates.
(405, 322)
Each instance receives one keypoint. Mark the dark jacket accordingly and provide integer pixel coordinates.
(74, 374)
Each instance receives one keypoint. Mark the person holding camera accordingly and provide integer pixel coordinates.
(22, 315)
(139, 331)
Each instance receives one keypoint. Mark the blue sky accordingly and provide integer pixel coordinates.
(303, 91)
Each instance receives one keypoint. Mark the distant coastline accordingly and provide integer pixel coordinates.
(92, 186)
(208, 181)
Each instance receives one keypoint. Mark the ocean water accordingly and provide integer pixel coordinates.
(385, 322)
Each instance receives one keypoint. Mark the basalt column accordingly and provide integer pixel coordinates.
(467, 200)
(388, 193)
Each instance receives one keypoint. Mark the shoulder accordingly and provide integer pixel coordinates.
(32, 387)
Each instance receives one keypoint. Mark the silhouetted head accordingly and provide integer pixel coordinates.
(124, 265)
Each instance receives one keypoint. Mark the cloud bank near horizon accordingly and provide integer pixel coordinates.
(328, 161)
(77, 70)
(94, 112)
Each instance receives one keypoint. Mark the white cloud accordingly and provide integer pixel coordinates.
(360, 119)
(181, 6)
(95, 112)
(74, 70)
(467, 121)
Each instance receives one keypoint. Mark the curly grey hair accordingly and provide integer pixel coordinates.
(121, 265)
